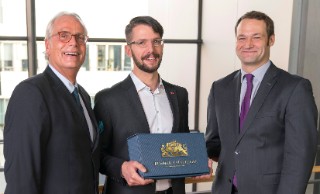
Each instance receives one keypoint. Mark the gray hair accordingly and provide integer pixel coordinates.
(59, 15)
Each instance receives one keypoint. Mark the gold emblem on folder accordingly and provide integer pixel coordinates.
(174, 149)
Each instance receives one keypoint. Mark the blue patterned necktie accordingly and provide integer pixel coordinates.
(77, 97)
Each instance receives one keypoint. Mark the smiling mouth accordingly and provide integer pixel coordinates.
(72, 53)
(151, 57)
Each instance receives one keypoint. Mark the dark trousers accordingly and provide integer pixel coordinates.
(168, 191)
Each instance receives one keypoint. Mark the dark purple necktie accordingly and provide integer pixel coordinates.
(246, 100)
(244, 110)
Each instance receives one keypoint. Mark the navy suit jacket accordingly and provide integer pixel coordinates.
(47, 145)
(275, 152)
(121, 112)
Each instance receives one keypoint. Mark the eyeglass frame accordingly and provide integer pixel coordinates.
(143, 43)
(77, 36)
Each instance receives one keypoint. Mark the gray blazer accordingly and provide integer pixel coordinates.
(276, 151)
(121, 112)
(47, 145)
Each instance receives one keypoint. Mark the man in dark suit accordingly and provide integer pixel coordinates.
(270, 148)
(50, 138)
(142, 103)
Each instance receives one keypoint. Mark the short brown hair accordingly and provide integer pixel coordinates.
(258, 16)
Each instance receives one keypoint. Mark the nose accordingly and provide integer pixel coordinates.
(73, 40)
(150, 46)
(249, 43)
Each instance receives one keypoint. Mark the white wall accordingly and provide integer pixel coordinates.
(218, 54)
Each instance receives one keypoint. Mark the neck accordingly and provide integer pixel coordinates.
(69, 73)
(150, 79)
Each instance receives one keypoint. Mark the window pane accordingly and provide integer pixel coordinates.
(13, 18)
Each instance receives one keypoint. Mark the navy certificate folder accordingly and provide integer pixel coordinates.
(172, 155)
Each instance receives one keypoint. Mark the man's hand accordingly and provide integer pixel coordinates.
(206, 176)
(129, 172)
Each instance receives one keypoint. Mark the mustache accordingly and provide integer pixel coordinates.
(148, 55)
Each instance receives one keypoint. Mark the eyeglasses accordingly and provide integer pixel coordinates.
(66, 37)
(144, 43)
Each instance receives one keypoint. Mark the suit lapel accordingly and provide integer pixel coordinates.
(237, 84)
(136, 105)
(61, 89)
(172, 97)
(266, 85)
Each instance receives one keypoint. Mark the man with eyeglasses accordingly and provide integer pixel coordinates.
(142, 103)
(50, 133)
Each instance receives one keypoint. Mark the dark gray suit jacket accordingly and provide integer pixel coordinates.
(47, 145)
(121, 112)
(276, 151)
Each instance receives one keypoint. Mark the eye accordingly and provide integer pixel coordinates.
(241, 38)
(141, 42)
(81, 37)
(64, 35)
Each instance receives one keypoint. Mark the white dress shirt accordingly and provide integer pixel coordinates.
(159, 115)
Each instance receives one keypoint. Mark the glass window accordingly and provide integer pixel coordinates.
(101, 57)
(24, 58)
(85, 64)
(114, 58)
(1, 12)
(13, 18)
(7, 57)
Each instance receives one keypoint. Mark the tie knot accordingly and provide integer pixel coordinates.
(249, 77)
(76, 95)
(75, 91)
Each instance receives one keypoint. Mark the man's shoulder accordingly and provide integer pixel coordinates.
(168, 85)
(288, 78)
(228, 78)
(36, 81)
(115, 90)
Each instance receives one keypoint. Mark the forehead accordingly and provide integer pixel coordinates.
(251, 26)
(67, 23)
(142, 31)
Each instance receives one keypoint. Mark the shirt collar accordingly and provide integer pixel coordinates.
(140, 85)
(258, 73)
(64, 80)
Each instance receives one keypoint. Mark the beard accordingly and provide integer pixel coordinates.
(144, 67)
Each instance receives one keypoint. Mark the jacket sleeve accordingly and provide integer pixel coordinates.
(25, 137)
(300, 140)
(212, 133)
